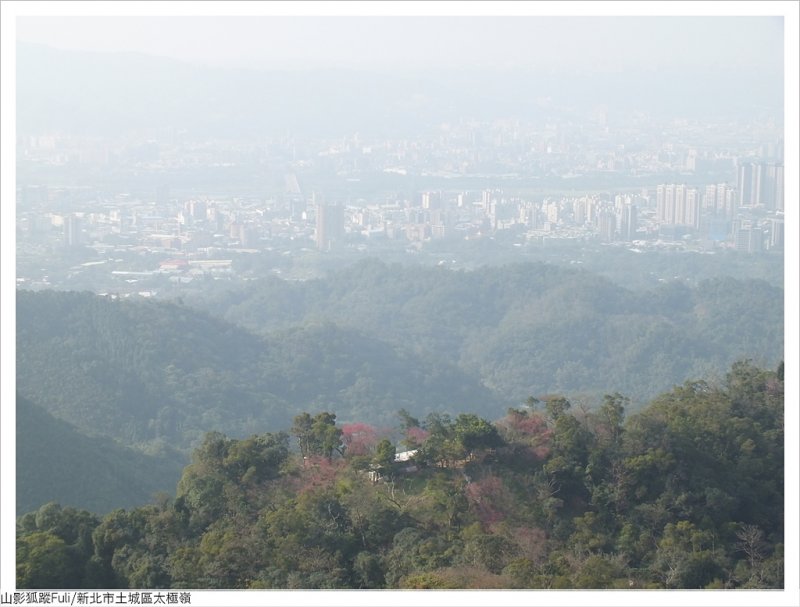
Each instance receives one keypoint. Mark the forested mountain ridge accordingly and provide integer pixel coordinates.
(687, 493)
(149, 373)
(375, 338)
(367, 341)
(531, 328)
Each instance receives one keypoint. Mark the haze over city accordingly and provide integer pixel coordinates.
(393, 302)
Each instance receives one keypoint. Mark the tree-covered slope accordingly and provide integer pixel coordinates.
(374, 338)
(531, 328)
(687, 493)
(57, 463)
(148, 372)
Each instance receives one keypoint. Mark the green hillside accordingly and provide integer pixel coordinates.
(687, 493)
(149, 373)
(374, 338)
(57, 463)
(365, 342)
(531, 328)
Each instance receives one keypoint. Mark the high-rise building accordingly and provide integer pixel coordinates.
(759, 176)
(710, 198)
(628, 223)
(760, 184)
(607, 225)
(72, 231)
(770, 193)
(196, 209)
(244, 233)
(441, 223)
(721, 201)
(553, 212)
(330, 225)
(776, 233)
(731, 203)
(620, 201)
(748, 237)
(691, 160)
(486, 199)
(579, 211)
(691, 215)
(745, 185)
(669, 204)
(534, 218)
(678, 205)
(773, 186)
(679, 217)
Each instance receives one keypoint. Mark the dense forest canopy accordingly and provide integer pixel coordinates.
(365, 342)
(376, 336)
(531, 328)
(686, 493)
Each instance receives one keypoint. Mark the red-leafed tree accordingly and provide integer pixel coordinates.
(528, 428)
(318, 472)
(359, 438)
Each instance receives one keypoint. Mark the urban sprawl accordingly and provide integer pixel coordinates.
(475, 184)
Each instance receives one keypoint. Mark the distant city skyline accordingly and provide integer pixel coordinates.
(434, 42)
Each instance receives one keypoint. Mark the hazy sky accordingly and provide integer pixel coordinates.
(417, 42)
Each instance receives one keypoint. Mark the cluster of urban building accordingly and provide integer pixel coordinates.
(747, 215)
(185, 231)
